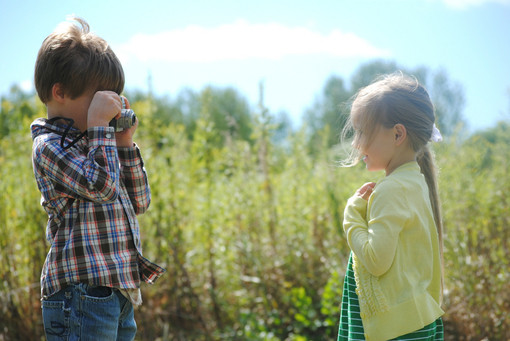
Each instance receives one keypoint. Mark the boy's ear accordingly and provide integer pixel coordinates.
(400, 133)
(58, 93)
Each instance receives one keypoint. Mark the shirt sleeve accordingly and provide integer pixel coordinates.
(91, 176)
(134, 177)
(372, 228)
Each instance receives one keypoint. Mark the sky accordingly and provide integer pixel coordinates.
(293, 47)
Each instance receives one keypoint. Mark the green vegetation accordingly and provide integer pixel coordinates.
(246, 217)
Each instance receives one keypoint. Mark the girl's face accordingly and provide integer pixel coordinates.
(376, 146)
(378, 152)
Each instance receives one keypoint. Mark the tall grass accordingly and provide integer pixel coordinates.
(250, 233)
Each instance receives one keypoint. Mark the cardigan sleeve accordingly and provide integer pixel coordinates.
(372, 228)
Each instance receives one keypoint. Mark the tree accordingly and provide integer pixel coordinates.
(368, 72)
(229, 112)
(448, 99)
(330, 109)
(17, 110)
(328, 112)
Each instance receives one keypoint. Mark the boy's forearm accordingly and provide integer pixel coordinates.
(134, 177)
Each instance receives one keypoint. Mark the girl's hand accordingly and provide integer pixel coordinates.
(125, 138)
(366, 190)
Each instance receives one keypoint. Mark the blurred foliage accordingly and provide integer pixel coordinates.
(247, 222)
(331, 108)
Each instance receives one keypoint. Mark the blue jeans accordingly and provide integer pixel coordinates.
(86, 312)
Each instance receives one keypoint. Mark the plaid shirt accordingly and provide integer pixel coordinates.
(92, 193)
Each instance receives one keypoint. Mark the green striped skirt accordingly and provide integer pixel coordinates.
(351, 326)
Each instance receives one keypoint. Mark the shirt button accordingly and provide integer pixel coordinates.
(108, 135)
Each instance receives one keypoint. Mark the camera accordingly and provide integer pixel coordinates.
(127, 120)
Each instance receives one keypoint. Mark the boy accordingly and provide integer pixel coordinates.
(93, 184)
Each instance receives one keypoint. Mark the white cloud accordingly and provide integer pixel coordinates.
(27, 85)
(242, 40)
(463, 4)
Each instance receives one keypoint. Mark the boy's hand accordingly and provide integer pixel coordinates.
(366, 190)
(104, 107)
(125, 138)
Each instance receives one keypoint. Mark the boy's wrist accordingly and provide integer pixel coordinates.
(124, 143)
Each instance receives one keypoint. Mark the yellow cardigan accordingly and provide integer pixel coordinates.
(396, 260)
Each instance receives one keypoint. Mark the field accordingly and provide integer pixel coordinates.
(249, 231)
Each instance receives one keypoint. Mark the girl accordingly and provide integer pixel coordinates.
(393, 284)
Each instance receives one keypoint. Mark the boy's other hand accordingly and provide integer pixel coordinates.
(105, 105)
(125, 138)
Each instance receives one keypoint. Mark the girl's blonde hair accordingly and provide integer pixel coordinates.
(397, 99)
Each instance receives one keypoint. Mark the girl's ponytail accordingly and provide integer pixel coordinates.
(425, 160)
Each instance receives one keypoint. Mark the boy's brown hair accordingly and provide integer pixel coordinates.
(77, 59)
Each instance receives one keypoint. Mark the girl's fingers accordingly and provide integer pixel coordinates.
(366, 190)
